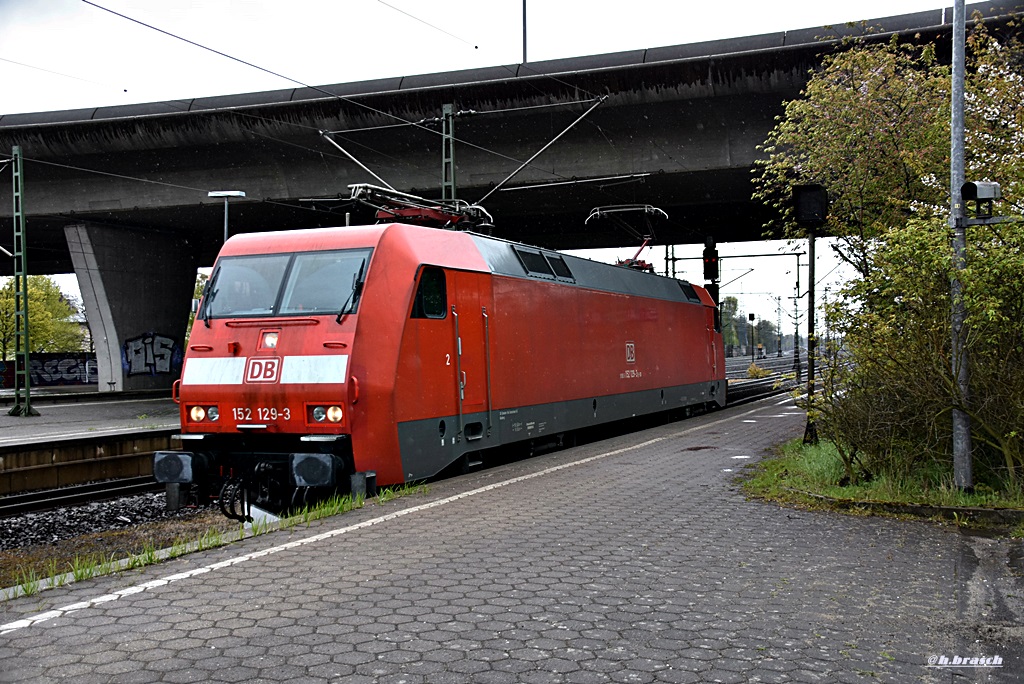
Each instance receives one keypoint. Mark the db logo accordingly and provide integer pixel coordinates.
(262, 370)
(630, 352)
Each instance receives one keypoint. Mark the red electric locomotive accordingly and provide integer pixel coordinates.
(399, 350)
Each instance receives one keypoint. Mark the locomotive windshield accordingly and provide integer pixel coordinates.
(286, 284)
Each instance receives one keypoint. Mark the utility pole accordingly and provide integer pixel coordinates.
(796, 322)
(670, 261)
(962, 466)
(22, 362)
(448, 152)
(778, 328)
(524, 31)
(811, 429)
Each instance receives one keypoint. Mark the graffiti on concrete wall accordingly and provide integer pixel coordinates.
(151, 354)
(53, 369)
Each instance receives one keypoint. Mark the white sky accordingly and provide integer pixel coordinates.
(67, 54)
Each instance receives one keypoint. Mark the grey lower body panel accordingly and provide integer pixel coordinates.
(428, 446)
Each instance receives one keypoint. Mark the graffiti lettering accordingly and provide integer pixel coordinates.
(47, 369)
(151, 354)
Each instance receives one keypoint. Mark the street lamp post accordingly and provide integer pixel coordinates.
(226, 194)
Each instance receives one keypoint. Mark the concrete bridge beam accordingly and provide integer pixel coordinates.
(136, 286)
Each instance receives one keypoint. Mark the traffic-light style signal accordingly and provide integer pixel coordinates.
(711, 264)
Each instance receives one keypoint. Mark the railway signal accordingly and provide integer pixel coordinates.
(811, 209)
(711, 269)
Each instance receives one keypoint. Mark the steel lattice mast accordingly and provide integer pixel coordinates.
(22, 381)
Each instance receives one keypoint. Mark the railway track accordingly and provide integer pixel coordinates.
(752, 390)
(49, 499)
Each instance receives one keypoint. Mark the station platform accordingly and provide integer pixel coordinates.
(70, 414)
(635, 559)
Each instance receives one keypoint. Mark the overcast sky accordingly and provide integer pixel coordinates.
(68, 54)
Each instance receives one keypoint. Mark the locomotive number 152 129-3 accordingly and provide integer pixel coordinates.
(261, 413)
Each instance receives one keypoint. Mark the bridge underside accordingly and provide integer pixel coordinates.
(552, 218)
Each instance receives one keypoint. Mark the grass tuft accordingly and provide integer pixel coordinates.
(799, 470)
(29, 582)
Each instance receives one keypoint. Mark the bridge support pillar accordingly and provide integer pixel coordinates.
(137, 288)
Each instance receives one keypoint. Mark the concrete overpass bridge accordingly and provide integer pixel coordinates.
(119, 194)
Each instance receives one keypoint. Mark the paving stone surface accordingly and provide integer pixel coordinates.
(632, 560)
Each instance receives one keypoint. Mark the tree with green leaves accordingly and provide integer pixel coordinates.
(873, 127)
(51, 319)
(197, 293)
(729, 307)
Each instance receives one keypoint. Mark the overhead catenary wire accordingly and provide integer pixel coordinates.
(116, 175)
(427, 23)
(335, 95)
(358, 163)
(541, 150)
(276, 74)
(472, 112)
(163, 183)
(58, 73)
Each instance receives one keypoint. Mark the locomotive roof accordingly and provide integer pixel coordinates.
(516, 259)
(450, 249)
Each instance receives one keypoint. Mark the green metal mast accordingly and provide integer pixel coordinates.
(448, 152)
(22, 382)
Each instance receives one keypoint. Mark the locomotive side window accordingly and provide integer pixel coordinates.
(431, 296)
(534, 262)
(245, 286)
(559, 266)
(690, 293)
(325, 282)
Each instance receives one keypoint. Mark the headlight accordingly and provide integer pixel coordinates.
(212, 413)
(197, 414)
(334, 414)
(319, 413)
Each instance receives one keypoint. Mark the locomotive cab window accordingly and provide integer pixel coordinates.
(325, 282)
(244, 286)
(431, 296)
(307, 283)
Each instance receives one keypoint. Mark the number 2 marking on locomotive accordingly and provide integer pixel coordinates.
(447, 359)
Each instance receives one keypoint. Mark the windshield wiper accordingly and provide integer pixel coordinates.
(211, 294)
(357, 288)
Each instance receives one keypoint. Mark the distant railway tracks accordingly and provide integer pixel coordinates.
(49, 499)
(752, 390)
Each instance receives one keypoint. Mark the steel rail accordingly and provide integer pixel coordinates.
(49, 499)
